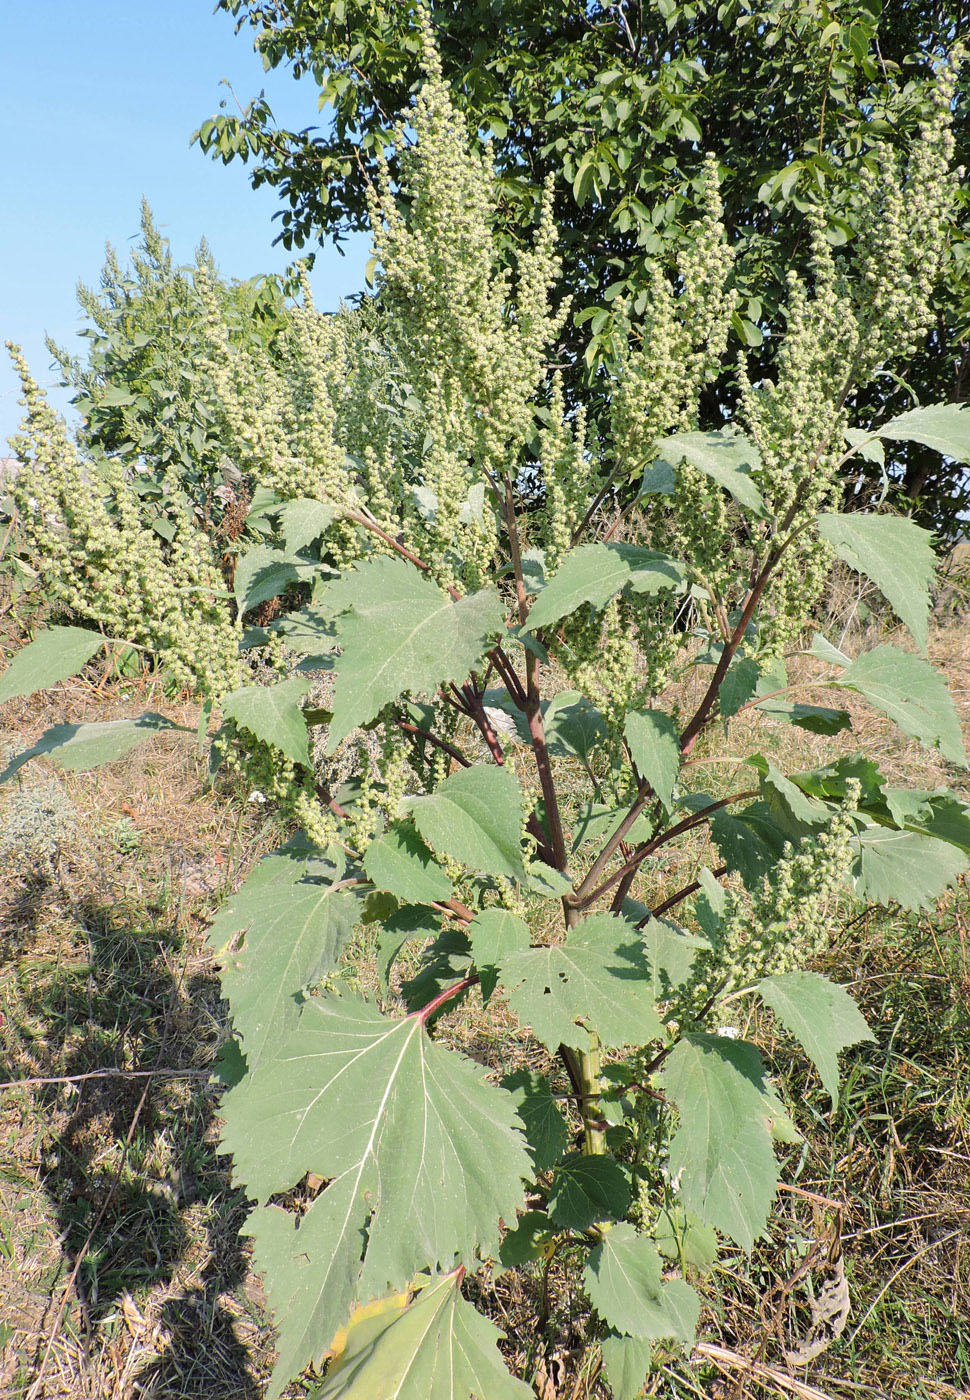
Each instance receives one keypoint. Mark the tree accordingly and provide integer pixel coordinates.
(619, 103)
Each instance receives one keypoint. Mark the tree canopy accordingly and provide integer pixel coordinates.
(618, 104)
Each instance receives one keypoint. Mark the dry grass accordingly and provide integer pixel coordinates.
(122, 1274)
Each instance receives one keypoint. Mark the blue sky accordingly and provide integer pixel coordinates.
(102, 99)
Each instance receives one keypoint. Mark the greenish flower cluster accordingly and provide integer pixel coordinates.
(81, 527)
(840, 324)
(790, 920)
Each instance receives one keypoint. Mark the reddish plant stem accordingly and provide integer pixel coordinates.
(648, 847)
(644, 793)
(705, 708)
(533, 709)
(417, 732)
(426, 1012)
(675, 899)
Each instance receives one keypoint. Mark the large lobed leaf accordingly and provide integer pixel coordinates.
(722, 1152)
(726, 458)
(943, 426)
(476, 816)
(273, 714)
(422, 1156)
(282, 931)
(57, 653)
(595, 573)
(912, 693)
(895, 554)
(598, 980)
(624, 1280)
(78, 747)
(821, 1016)
(438, 1348)
(401, 632)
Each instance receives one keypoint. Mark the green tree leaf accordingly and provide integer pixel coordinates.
(387, 1117)
(588, 1189)
(727, 458)
(624, 1280)
(595, 573)
(574, 727)
(626, 1363)
(912, 693)
(476, 816)
(273, 714)
(821, 1016)
(78, 747)
(401, 632)
(598, 980)
(57, 653)
(895, 554)
(655, 748)
(722, 1151)
(401, 863)
(439, 1348)
(532, 1234)
(282, 931)
(414, 921)
(545, 1127)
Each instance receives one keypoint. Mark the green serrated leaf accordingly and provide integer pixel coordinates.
(727, 458)
(476, 817)
(401, 863)
(529, 1239)
(493, 934)
(654, 744)
(598, 980)
(905, 867)
(439, 1348)
(722, 1152)
(821, 1016)
(545, 1128)
(415, 921)
(282, 931)
(912, 693)
(401, 632)
(595, 573)
(943, 426)
(272, 713)
(385, 1115)
(684, 1240)
(78, 747)
(304, 521)
(588, 1189)
(895, 554)
(57, 653)
(670, 953)
(624, 1280)
(626, 1363)
(263, 573)
(574, 727)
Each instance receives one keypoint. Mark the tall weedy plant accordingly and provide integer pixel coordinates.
(483, 607)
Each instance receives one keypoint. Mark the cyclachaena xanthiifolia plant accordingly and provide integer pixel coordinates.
(470, 606)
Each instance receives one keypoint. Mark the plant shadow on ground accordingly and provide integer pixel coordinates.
(102, 964)
(128, 1165)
